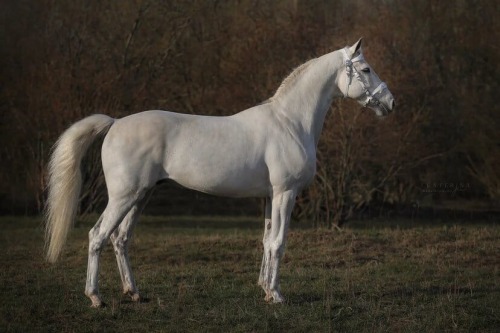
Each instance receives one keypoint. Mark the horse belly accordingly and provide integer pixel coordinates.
(221, 166)
(218, 179)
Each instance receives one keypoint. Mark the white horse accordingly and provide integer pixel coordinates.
(267, 151)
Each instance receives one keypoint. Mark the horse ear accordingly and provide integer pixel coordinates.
(356, 48)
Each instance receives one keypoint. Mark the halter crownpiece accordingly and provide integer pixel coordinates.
(351, 71)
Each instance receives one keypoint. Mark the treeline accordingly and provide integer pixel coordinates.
(64, 60)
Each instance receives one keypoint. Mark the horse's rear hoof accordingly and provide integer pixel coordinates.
(136, 298)
(134, 295)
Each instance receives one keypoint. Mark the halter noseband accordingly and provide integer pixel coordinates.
(370, 100)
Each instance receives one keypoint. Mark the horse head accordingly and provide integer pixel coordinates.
(361, 83)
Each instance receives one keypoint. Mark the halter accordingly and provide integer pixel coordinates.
(370, 99)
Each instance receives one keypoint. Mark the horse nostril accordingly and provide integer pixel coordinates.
(393, 105)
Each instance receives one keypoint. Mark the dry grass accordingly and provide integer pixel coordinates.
(200, 274)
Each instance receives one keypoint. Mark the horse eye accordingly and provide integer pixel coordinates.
(366, 70)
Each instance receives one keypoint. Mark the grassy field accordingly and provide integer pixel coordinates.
(200, 274)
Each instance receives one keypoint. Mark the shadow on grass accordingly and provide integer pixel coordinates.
(127, 300)
(303, 298)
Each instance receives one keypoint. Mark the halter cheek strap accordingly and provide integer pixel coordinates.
(349, 67)
(351, 71)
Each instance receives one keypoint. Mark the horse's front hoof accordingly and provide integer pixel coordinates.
(278, 298)
(274, 297)
(96, 302)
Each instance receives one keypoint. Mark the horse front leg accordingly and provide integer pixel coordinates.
(264, 268)
(282, 205)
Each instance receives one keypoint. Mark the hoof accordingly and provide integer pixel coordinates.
(134, 295)
(278, 299)
(96, 301)
(274, 297)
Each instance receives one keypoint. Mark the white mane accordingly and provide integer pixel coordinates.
(290, 80)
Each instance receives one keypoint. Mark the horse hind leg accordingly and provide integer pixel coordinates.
(114, 213)
(120, 239)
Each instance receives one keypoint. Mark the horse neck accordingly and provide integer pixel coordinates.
(305, 102)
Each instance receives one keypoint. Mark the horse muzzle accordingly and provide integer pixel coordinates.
(382, 105)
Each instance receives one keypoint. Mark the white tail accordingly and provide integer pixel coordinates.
(65, 179)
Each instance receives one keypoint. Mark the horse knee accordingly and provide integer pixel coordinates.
(277, 249)
(265, 242)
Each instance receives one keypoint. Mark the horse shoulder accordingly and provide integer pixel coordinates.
(291, 162)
